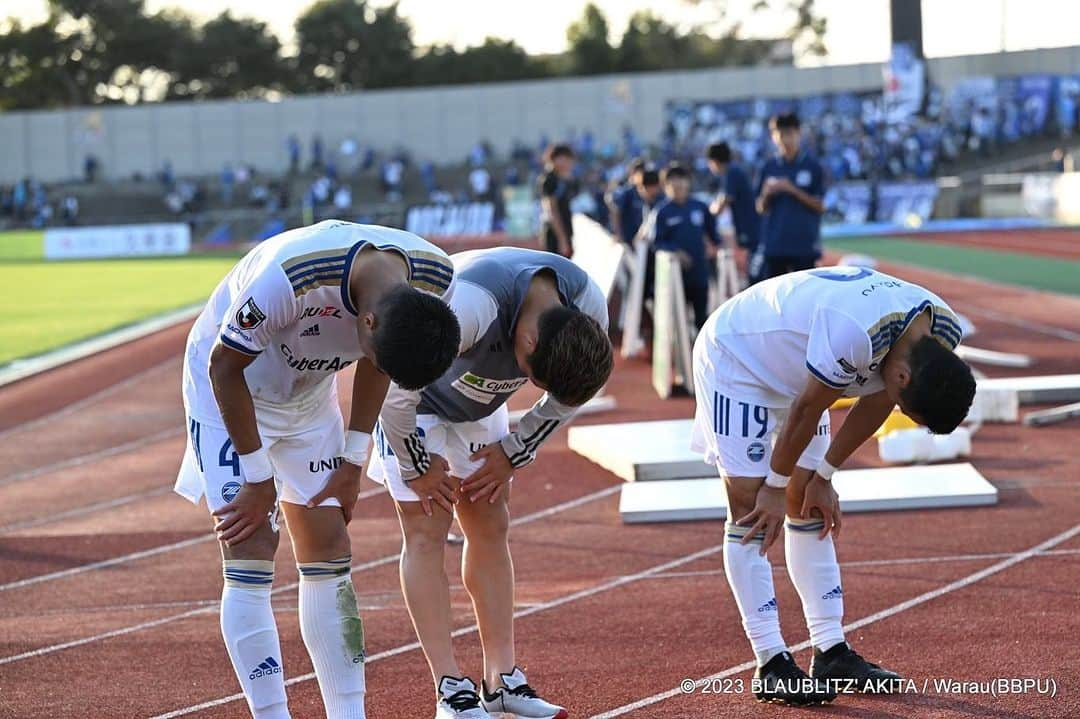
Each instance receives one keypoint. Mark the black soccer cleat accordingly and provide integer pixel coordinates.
(781, 681)
(848, 673)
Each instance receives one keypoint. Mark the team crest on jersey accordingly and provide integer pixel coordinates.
(755, 451)
(229, 490)
(250, 316)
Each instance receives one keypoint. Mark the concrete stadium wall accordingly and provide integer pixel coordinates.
(439, 124)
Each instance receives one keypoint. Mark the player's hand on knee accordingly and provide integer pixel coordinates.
(435, 485)
(343, 484)
(492, 476)
(820, 496)
(767, 516)
(240, 518)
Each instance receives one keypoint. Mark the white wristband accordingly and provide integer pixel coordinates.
(825, 470)
(356, 447)
(776, 480)
(256, 466)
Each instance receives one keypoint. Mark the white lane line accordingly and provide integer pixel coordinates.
(607, 586)
(970, 579)
(388, 559)
(105, 563)
(86, 509)
(83, 568)
(1024, 324)
(89, 400)
(882, 562)
(91, 457)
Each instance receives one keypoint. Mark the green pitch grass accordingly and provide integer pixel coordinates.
(51, 304)
(1013, 268)
(22, 245)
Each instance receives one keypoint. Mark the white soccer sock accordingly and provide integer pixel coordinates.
(251, 636)
(750, 577)
(814, 571)
(334, 635)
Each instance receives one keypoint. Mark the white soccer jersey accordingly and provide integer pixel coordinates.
(287, 303)
(835, 323)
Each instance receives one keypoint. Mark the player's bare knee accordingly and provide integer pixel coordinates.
(318, 534)
(423, 534)
(483, 521)
(262, 544)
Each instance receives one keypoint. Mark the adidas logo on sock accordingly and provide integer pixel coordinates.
(266, 667)
(312, 331)
(835, 593)
(769, 606)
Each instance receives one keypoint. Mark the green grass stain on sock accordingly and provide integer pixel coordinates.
(352, 627)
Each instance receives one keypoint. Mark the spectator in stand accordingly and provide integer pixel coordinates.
(738, 196)
(167, 177)
(292, 146)
(789, 195)
(428, 178)
(20, 199)
(392, 176)
(316, 152)
(557, 187)
(343, 198)
(90, 168)
(228, 179)
(480, 183)
(70, 210)
(1061, 160)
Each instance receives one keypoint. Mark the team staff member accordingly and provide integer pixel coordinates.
(557, 186)
(265, 429)
(789, 195)
(681, 224)
(526, 316)
(738, 195)
(624, 204)
(767, 367)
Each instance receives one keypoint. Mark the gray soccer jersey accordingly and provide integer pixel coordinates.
(490, 289)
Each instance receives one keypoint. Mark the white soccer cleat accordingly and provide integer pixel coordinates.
(518, 699)
(458, 700)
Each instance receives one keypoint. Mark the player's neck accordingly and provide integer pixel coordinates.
(373, 274)
(542, 295)
(919, 328)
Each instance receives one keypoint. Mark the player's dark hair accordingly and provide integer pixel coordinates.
(675, 171)
(573, 356)
(416, 337)
(941, 387)
(559, 149)
(650, 178)
(784, 121)
(636, 165)
(719, 152)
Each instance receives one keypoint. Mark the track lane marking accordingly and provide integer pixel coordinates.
(363, 566)
(1011, 560)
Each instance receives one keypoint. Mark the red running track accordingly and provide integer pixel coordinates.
(108, 581)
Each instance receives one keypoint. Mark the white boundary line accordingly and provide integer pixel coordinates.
(1020, 322)
(143, 554)
(85, 509)
(970, 579)
(81, 349)
(91, 457)
(388, 559)
(472, 628)
(101, 394)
